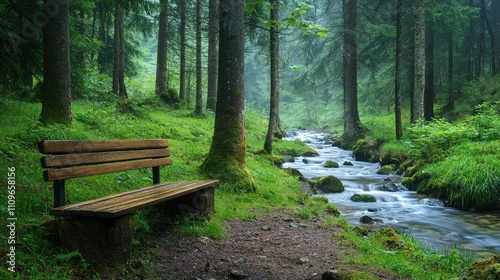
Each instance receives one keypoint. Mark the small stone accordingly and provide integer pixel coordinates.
(303, 225)
(331, 275)
(303, 261)
(348, 163)
(266, 228)
(288, 219)
(366, 220)
(238, 274)
(372, 210)
(294, 225)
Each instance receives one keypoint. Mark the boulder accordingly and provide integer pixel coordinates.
(363, 198)
(366, 150)
(329, 184)
(387, 169)
(331, 164)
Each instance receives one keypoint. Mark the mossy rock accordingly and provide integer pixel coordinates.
(277, 160)
(386, 170)
(310, 153)
(293, 172)
(366, 150)
(486, 269)
(331, 164)
(321, 199)
(332, 210)
(329, 184)
(392, 239)
(363, 198)
(361, 231)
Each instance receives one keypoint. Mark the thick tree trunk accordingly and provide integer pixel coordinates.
(182, 75)
(274, 61)
(397, 80)
(418, 99)
(429, 75)
(495, 27)
(119, 53)
(56, 92)
(213, 29)
(352, 123)
(199, 97)
(161, 58)
(226, 159)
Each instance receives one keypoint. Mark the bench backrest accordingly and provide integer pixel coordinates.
(73, 158)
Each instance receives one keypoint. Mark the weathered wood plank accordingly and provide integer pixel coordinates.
(86, 146)
(102, 157)
(81, 171)
(120, 204)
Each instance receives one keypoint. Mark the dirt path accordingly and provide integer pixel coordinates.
(278, 246)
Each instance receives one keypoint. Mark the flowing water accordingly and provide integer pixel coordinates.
(427, 219)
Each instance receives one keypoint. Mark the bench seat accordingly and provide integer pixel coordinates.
(117, 205)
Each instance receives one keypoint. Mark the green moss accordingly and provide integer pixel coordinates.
(310, 153)
(331, 164)
(363, 198)
(386, 170)
(332, 210)
(487, 269)
(329, 184)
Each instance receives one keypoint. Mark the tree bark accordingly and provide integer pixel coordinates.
(481, 39)
(450, 99)
(352, 123)
(119, 53)
(418, 99)
(213, 29)
(199, 97)
(56, 92)
(274, 61)
(182, 75)
(397, 82)
(429, 75)
(161, 58)
(226, 159)
(495, 22)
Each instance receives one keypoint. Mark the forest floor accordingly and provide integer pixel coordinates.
(281, 245)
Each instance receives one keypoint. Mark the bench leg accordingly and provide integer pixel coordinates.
(102, 242)
(197, 203)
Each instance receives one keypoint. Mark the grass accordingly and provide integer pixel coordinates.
(38, 256)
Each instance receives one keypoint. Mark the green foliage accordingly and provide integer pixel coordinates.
(402, 254)
(469, 176)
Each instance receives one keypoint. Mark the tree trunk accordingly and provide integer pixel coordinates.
(199, 97)
(101, 36)
(418, 99)
(352, 123)
(274, 61)
(450, 98)
(429, 75)
(182, 75)
(397, 82)
(213, 29)
(119, 53)
(56, 92)
(495, 22)
(161, 59)
(226, 159)
(482, 35)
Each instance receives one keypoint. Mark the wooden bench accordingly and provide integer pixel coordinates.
(106, 220)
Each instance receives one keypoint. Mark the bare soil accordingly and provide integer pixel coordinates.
(277, 246)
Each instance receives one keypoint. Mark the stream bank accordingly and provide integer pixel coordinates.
(427, 219)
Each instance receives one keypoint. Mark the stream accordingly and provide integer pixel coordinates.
(426, 219)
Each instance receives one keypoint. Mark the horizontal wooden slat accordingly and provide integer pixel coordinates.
(103, 157)
(81, 171)
(120, 204)
(86, 146)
